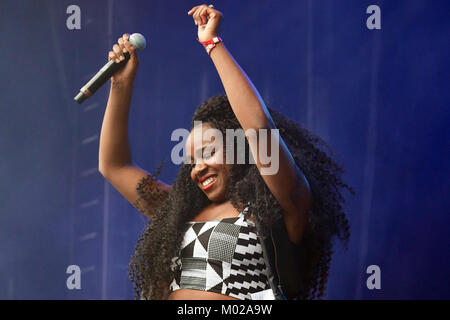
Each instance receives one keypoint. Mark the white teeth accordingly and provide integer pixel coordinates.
(208, 181)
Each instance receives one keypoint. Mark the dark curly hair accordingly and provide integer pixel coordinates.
(150, 266)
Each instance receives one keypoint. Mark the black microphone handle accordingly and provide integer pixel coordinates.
(100, 78)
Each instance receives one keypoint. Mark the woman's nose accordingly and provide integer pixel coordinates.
(200, 165)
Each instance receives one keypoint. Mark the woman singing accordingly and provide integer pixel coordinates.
(227, 230)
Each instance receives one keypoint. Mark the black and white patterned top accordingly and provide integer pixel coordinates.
(222, 256)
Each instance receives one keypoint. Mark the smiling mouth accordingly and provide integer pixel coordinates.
(208, 183)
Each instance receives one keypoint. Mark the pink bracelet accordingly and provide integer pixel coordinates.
(210, 44)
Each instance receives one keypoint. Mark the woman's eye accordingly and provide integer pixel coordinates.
(209, 154)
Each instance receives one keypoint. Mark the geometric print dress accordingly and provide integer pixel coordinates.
(222, 256)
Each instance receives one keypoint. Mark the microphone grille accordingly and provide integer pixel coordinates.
(138, 41)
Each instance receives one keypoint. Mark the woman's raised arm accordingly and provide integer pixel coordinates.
(115, 162)
(288, 184)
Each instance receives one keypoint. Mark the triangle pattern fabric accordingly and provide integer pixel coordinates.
(197, 227)
(208, 225)
(217, 288)
(199, 250)
(218, 268)
(188, 251)
(189, 236)
(213, 278)
(204, 238)
(223, 256)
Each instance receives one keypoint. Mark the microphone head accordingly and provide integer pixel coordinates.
(138, 41)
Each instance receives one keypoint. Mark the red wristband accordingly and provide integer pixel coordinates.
(211, 43)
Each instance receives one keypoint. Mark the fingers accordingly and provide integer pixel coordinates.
(129, 48)
(200, 14)
(118, 51)
(192, 10)
(120, 48)
(194, 13)
(112, 56)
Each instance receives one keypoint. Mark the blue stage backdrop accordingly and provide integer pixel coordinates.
(378, 97)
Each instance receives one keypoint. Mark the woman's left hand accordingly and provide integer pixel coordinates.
(207, 19)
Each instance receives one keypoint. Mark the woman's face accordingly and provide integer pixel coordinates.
(209, 170)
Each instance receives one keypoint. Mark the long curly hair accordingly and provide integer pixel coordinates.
(150, 269)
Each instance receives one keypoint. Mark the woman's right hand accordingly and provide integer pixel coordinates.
(126, 74)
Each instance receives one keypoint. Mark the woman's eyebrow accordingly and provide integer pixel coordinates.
(195, 152)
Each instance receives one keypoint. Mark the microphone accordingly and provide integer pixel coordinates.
(137, 40)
